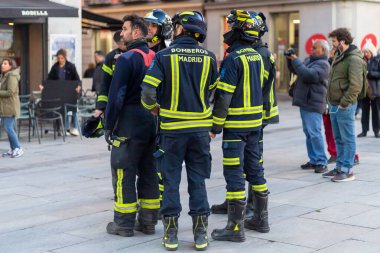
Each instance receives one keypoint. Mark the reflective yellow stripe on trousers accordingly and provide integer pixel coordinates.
(119, 203)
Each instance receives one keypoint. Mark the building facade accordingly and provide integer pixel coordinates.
(295, 24)
(31, 31)
(292, 23)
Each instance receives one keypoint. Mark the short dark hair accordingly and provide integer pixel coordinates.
(342, 34)
(100, 53)
(137, 22)
(62, 52)
(117, 37)
(11, 62)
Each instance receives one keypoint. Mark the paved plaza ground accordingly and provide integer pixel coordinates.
(58, 198)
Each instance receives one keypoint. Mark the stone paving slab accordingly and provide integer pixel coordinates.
(311, 233)
(352, 246)
(58, 198)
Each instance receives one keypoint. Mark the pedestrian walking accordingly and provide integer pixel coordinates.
(10, 104)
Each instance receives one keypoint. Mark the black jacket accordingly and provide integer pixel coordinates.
(270, 107)
(70, 72)
(374, 76)
(311, 86)
(238, 96)
(184, 74)
(108, 67)
(125, 85)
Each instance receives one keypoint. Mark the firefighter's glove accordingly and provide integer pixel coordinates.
(108, 136)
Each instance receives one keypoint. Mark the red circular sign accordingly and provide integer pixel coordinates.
(310, 41)
(369, 38)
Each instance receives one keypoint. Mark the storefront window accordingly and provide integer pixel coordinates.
(286, 35)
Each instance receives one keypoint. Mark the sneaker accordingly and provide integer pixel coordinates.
(17, 152)
(68, 133)
(307, 166)
(8, 153)
(331, 173)
(319, 168)
(74, 132)
(331, 160)
(343, 177)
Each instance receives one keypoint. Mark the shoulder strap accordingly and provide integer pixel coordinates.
(148, 57)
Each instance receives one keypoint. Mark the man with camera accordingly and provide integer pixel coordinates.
(310, 95)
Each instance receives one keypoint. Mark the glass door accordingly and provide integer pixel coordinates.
(286, 35)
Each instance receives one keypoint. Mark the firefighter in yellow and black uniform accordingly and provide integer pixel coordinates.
(270, 107)
(184, 74)
(238, 112)
(131, 131)
(108, 69)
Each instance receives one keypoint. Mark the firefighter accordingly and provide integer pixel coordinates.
(238, 112)
(185, 73)
(270, 108)
(160, 28)
(130, 129)
(108, 69)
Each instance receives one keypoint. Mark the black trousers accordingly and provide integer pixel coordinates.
(194, 149)
(131, 156)
(241, 154)
(367, 105)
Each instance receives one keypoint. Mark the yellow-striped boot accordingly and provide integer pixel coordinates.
(234, 231)
(200, 224)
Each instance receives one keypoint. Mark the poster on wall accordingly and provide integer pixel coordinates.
(65, 41)
(6, 39)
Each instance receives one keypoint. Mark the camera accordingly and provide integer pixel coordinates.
(289, 52)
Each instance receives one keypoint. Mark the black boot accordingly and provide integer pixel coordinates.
(170, 240)
(234, 230)
(146, 221)
(249, 207)
(219, 209)
(114, 229)
(122, 225)
(200, 224)
(259, 221)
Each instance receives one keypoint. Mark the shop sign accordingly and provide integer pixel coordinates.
(34, 13)
(311, 40)
(369, 39)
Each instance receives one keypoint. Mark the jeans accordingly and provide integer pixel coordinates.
(312, 127)
(74, 119)
(9, 125)
(343, 125)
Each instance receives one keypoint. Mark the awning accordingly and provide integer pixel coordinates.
(35, 9)
(95, 21)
